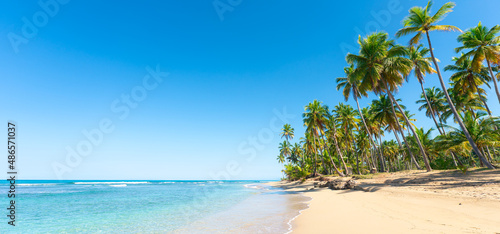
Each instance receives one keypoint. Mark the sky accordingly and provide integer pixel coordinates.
(185, 89)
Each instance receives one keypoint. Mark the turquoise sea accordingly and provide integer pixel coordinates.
(52, 206)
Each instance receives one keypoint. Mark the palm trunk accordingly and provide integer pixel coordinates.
(494, 79)
(422, 151)
(382, 159)
(321, 153)
(363, 119)
(356, 152)
(430, 107)
(399, 127)
(341, 156)
(334, 166)
(454, 110)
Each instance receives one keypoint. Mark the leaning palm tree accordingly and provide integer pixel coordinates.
(422, 66)
(467, 80)
(421, 21)
(346, 117)
(384, 112)
(485, 45)
(383, 70)
(350, 84)
(316, 117)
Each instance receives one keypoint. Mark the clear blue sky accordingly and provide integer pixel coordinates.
(226, 76)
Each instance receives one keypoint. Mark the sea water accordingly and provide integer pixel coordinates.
(46, 206)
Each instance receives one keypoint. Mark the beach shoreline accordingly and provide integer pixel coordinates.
(402, 202)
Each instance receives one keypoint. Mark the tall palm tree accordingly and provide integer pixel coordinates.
(384, 112)
(284, 151)
(422, 66)
(437, 100)
(485, 45)
(350, 84)
(346, 116)
(421, 21)
(316, 117)
(383, 69)
(287, 132)
(332, 134)
(466, 80)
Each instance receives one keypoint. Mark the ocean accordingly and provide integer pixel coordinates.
(50, 206)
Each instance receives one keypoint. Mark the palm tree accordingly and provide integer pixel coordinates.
(384, 112)
(425, 137)
(421, 21)
(467, 80)
(383, 69)
(284, 151)
(421, 67)
(350, 84)
(434, 104)
(332, 133)
(287, 132)
(484, 45)
(316, 117)
(463, 104)
(482, 129)
(346, 116)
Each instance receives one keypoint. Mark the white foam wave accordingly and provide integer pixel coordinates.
(36, 184)
(123, 182)
(118, 185)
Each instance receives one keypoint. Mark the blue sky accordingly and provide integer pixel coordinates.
(227, 77)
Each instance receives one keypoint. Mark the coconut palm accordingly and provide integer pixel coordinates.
(316, 118)
(422, 66)
(287, 132)
(421, 21)
(383, 70)
(384, 112)
(348, 122)
(463, 104)
(484, 44)
(349, 85)
(284, 151)
(483, 129)
(467, 80)
(436, 99)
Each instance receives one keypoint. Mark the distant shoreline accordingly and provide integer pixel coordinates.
(403, 202)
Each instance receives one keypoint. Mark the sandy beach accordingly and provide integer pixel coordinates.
(403, 202)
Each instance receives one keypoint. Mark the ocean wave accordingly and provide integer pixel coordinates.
(118, 185)
(36, 184)
(107, 183)
(167, 182)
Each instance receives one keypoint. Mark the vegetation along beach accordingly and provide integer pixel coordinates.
(422, 179)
